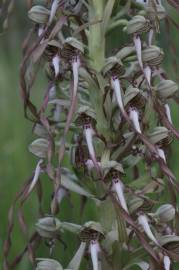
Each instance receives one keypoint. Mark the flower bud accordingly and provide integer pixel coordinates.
(39, 14)
(39, 148)
(166, 89)
(138, 24)
(48, 264)
(158, 11)
(91, 231)
(113, 66)
(165, 213)
(134, 98)
(48, 227)
(171, 243)
(159, 135)
(152, 55)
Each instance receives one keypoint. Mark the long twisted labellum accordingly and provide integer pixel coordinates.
(56, 64)
(119, 189)
(54, 7)
(36, 176)
(168, 113)
(148, 74)
(89, 133)
(138, 47)
(134, 117)
(76, 260)
(166, 262)
(94, 251)
(115, 83)
(162, 154)
(143, 221)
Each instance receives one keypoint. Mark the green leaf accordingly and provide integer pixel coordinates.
(107, 15)
(74, 187)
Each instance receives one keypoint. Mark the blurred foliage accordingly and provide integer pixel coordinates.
(16, 163)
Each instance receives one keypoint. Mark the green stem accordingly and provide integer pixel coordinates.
(96, 39)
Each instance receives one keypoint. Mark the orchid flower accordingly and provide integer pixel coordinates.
(118, 187)
(54, 7)
(138, 47)
(143, 221)
(56, 64)
(166, 262)
(76, 260)
(36, 176)
(162, 154)
(134, 117)
(89, 133)
(115, 83)
(94, 251)
(168, 113)
(148, 74)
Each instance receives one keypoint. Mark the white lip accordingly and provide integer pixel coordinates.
(115, 83)
(162, 154)
(143, 221)
(56, 64)
(134, 117)
(36, 176)
(54, 7)
(166, 262)
(168, 113)
(138, 47)
(148, 74)
(88, 133)
(75, 68)
(94, 250)
(119, 189)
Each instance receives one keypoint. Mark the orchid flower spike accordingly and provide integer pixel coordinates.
(36, 176)
(75, 68)
(148, 74)
(56, 64)
(115, 83)
(138, 47)
(166, 262)
(89, 133)
(143, 221)
(118, 187)
(134, 117)
(161, 154)
(94, 251)
(168, 113)
(54, 8)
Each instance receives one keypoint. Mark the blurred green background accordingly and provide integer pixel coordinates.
(16, 163)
